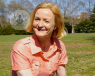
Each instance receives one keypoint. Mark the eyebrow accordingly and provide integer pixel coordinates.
(46, 18)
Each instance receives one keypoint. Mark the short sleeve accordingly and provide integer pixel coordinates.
(19, 57)
(63, 58)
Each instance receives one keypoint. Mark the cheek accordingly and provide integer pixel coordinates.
(51, 27)
(34, 24)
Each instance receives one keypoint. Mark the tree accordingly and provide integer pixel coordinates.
(90, 4)
(70, 9)
(83, 16)
(92, 16)
(68, 27)
(73, 21)
(36, 2)
(2, 13)
(20, 5)
(88, 25)
(84, 27)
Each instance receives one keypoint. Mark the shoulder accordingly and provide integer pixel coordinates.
(20, 44)
(59, 43)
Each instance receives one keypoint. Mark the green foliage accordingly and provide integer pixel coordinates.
(68, 27)
(87, 26)
(21, 32)
(8, 30)
(92, 16)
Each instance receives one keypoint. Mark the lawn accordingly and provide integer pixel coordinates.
(80, 51)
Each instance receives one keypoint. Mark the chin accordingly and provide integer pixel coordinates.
(40, 35)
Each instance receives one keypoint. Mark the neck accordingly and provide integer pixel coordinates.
(45, 43)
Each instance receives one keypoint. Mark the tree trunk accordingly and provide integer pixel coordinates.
(73, 31)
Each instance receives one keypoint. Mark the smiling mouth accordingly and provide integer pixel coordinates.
(41, 29)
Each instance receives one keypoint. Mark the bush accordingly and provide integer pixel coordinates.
(8, 30)
(86, 26)
(69, 28)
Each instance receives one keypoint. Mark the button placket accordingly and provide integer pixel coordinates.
(28, 40)
(49, 68)
(41, 64)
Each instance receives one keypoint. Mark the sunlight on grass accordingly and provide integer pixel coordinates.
(81, 54)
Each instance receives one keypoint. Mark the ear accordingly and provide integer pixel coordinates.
(55, 27)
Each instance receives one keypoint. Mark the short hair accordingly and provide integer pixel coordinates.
(60, 31)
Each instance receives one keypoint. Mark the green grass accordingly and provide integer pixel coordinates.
(80, 51)
(81, 54)
(6, 44)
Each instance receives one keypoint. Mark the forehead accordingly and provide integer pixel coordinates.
(44, 12)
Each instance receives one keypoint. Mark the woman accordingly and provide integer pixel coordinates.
(41, 54)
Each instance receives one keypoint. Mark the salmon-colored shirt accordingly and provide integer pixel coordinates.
(27, 53)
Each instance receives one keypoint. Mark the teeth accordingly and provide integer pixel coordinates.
(41, 29)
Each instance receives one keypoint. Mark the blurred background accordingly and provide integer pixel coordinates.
(79, 15)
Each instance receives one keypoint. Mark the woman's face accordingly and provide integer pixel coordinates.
(44, 23)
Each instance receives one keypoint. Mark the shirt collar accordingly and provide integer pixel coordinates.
(35, 46)
(56, 43)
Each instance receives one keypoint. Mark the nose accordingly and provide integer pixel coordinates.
(41, 23)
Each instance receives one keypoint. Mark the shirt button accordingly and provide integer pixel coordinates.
(40, 64)
(29, 40)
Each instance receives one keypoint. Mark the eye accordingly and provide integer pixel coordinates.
(36, 19)
(46, 21)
